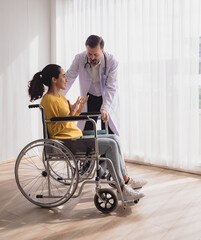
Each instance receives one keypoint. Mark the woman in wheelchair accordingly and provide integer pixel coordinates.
(56, 105)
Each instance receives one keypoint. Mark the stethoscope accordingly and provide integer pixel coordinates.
(88, 63)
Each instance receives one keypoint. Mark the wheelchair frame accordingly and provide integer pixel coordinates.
(53, 164)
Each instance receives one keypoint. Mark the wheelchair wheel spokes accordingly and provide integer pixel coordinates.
(105, 201)
(60, 170)
(46, 174)
(85, 168)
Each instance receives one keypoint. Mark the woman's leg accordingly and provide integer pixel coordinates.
(121, 159)
(109, 147)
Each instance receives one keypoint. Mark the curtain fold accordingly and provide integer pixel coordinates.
(157, 46)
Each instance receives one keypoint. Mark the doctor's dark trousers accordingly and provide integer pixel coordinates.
(93, 105)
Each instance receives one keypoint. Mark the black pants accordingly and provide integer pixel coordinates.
(93, 105)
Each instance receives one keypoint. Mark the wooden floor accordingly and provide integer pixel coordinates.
(170, 210)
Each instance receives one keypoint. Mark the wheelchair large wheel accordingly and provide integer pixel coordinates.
(55, 171)
(46, 173)
(106, 202)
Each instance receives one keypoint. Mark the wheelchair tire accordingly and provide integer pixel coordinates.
(46, 173)
(110, 199)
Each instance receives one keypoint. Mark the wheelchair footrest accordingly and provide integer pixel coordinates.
(131, 202)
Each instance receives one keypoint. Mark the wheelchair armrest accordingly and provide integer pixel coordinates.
(71, 118)
(93, 114)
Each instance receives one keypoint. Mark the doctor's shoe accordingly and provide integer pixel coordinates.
(129, 194)
(136, 182)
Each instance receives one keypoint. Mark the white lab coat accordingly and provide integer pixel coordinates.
(108, 84)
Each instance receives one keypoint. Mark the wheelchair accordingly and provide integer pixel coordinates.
(50, 172)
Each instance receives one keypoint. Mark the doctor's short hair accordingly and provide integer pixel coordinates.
(93, 41)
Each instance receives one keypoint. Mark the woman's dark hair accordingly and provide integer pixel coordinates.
(36, 85)
(93, 41)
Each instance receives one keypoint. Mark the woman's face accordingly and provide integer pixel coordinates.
(61, 80)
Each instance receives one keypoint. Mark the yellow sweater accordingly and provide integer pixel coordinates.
(59, 107)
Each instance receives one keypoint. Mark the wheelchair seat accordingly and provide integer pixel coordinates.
(77, 146)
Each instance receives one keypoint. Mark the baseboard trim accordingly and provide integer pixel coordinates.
(195, 172)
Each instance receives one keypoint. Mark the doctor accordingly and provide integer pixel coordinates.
(97, 72)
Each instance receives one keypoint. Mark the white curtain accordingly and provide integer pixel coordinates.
(24, 50)
(156, 43)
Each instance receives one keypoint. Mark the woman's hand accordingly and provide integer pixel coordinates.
(82, 103)
(77, 107)
(74, 107)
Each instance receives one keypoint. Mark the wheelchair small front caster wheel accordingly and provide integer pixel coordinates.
(110, 178)
(107, 202)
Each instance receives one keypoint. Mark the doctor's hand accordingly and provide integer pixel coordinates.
(105, 116)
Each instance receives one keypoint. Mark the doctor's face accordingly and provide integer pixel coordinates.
(94, 54)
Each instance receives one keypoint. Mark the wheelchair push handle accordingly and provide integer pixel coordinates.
(34, 106)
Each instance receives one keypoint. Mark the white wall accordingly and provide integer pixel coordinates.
(24, 50)
(200, 135)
